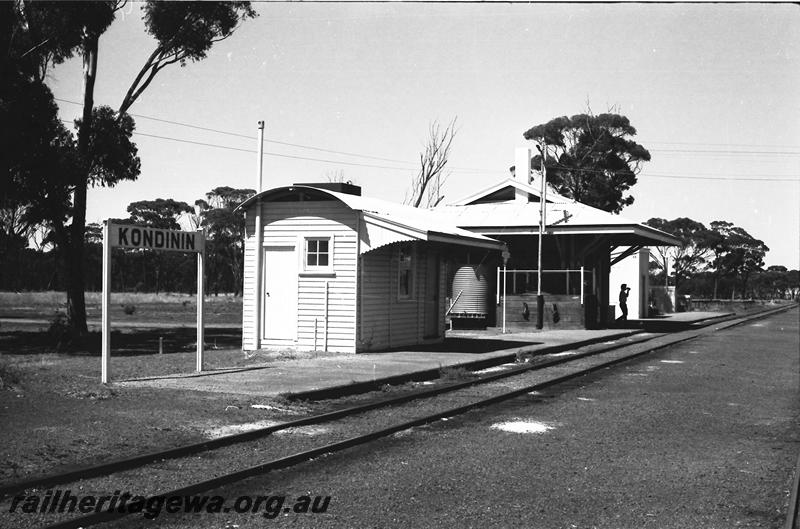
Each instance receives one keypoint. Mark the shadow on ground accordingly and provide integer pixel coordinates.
(465, 345)
(130, 343)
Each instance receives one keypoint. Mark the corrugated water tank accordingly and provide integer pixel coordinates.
(471, 291)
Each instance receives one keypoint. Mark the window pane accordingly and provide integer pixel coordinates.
(318, 253)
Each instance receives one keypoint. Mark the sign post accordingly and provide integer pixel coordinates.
(142, 237)
(201, 257)
(105, 323)
(506, 255)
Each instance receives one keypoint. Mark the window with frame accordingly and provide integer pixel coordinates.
(318, 253)
(405, 272)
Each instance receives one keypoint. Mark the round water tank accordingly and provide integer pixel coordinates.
(470, 291)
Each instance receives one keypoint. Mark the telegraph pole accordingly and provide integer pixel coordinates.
(539, 296)
(258, 238)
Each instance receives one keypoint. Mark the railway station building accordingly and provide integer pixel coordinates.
(328, 269)
(580, 246)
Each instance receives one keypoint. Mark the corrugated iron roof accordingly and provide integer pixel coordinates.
(406, 221)
(562, 215)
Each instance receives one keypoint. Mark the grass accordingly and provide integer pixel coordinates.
(55, 298)
(9, 377)
(125, 307)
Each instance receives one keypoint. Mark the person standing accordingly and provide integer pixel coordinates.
(623, 302)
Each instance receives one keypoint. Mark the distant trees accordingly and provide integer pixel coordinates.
(54, 185)
(693, 252)
(776, 282)
(722, 260)
(144, 270)
(590, 158)
(736, 254)
(159, 213)
(225, 231)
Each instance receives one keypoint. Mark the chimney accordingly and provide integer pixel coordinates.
(522, 172)
(522, 164)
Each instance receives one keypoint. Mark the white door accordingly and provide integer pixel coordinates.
(280, 293)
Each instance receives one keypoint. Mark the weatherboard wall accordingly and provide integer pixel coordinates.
(318, 324)
(386, 321)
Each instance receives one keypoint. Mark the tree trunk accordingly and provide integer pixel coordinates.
(76, 302)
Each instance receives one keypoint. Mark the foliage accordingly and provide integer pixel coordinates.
(184, 31)
(767, 284)
(163, 214)
(776, 282)
(722, 258)
(53, 172)
(225, 234)
(693, 252)
(112, 156)
(50, 32)
(736, 253)
(159, 213)
(590, 158)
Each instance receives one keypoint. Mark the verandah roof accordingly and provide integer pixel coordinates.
(562, 216)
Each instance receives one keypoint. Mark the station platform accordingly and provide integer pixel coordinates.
(326, 375)
(678, 321)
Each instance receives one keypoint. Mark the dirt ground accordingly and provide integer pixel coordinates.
(55, 412)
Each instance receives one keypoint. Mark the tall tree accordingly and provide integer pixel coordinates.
(693, 251)
(427, 184)
(159, 213)
(590, 158)
(40, 163)
(225, 231)
(184, 31)
(737, 254)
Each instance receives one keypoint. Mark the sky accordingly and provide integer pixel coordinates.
(712, 89)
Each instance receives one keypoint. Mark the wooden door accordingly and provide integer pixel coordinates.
(431, 296)
(280, 293)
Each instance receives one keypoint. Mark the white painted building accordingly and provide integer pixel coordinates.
(633, 271)
(328, 269)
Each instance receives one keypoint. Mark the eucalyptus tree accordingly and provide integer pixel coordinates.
(590, 158)
(104, 153)
(693, 252)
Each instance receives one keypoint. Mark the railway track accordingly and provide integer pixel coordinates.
(354, 426)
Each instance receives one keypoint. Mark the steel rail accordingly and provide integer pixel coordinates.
(112, 467)
(793, 513)
(300, 457)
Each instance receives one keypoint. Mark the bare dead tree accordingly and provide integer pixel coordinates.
(427, 184)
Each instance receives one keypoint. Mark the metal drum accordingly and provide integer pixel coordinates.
(470, 292)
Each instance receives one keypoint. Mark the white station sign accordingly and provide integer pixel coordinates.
(125, 236)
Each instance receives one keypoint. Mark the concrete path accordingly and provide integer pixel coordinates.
(329, 371)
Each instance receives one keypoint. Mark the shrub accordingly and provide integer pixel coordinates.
(9, 377)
